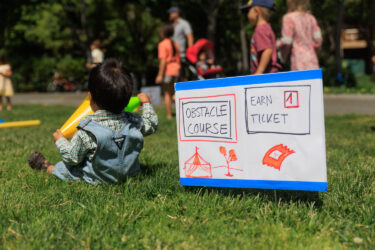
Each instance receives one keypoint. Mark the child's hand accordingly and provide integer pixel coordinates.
(159, 79)
(57, 135)
(143, 98)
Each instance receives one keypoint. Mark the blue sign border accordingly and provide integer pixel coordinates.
(249, 80)
(260, 184)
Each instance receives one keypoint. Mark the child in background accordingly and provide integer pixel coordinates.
(97, 55)
(6, 88)
(263, 56)
(301, 35)
(202, 61)
(169, 67)
(107, 144)
(206, 59)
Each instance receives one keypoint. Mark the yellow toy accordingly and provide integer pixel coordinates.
(19, 124)
(84, 109)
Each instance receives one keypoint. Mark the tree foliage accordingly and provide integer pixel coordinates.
(40, 37)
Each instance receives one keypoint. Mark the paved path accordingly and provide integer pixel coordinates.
(66, 99)
(349, 104)
(333, 104)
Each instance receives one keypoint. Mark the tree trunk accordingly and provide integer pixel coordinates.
(339, 26)
(369, 36)
(245, 68)
(211, 8)
(79, 27)
(370, 28)
(84, 28)
(211, 28)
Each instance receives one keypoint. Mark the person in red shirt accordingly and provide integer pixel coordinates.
(263, 57)
(169, 67)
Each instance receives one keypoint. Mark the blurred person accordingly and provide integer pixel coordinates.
(301, 36)
(97, 55)
(169, 67)
(182, 34)
(205, 59)
(6, 87)
(263, 56)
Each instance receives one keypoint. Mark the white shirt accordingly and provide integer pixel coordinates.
(181, 29)
(97, 56)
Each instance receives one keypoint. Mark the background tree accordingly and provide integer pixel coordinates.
(41, 37)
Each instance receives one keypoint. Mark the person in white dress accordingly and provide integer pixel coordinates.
(6, 87)
(97, 55)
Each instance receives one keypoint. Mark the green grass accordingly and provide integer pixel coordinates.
(153, 211)
(365, 85)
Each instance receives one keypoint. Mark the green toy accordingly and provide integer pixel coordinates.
(134, 102)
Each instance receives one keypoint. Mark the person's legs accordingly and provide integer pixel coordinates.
(1, 102)
(183, 77)
(167, 91)
(174, 80)
(9, 105)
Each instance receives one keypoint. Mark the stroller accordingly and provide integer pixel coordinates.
(192, 55)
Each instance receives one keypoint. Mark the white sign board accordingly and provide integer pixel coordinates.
(263, 131)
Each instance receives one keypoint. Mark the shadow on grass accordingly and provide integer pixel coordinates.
(150, 169)
(278, 196)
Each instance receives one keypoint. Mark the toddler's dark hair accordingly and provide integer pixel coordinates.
(110, 86)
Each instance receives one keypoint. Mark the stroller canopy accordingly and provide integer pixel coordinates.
(193, 51)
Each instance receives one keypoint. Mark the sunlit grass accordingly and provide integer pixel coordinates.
(153, 211)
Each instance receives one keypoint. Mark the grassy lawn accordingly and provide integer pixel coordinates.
(153, 211)
(365, 85)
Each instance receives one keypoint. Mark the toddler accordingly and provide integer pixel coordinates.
(205, 60)
(263, 56)
(6, 87)
(107, 144)
(203, 63)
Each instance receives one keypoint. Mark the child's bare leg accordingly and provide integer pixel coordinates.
(1, 102)
(168, 104)
(9, 105)
(168, 99)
